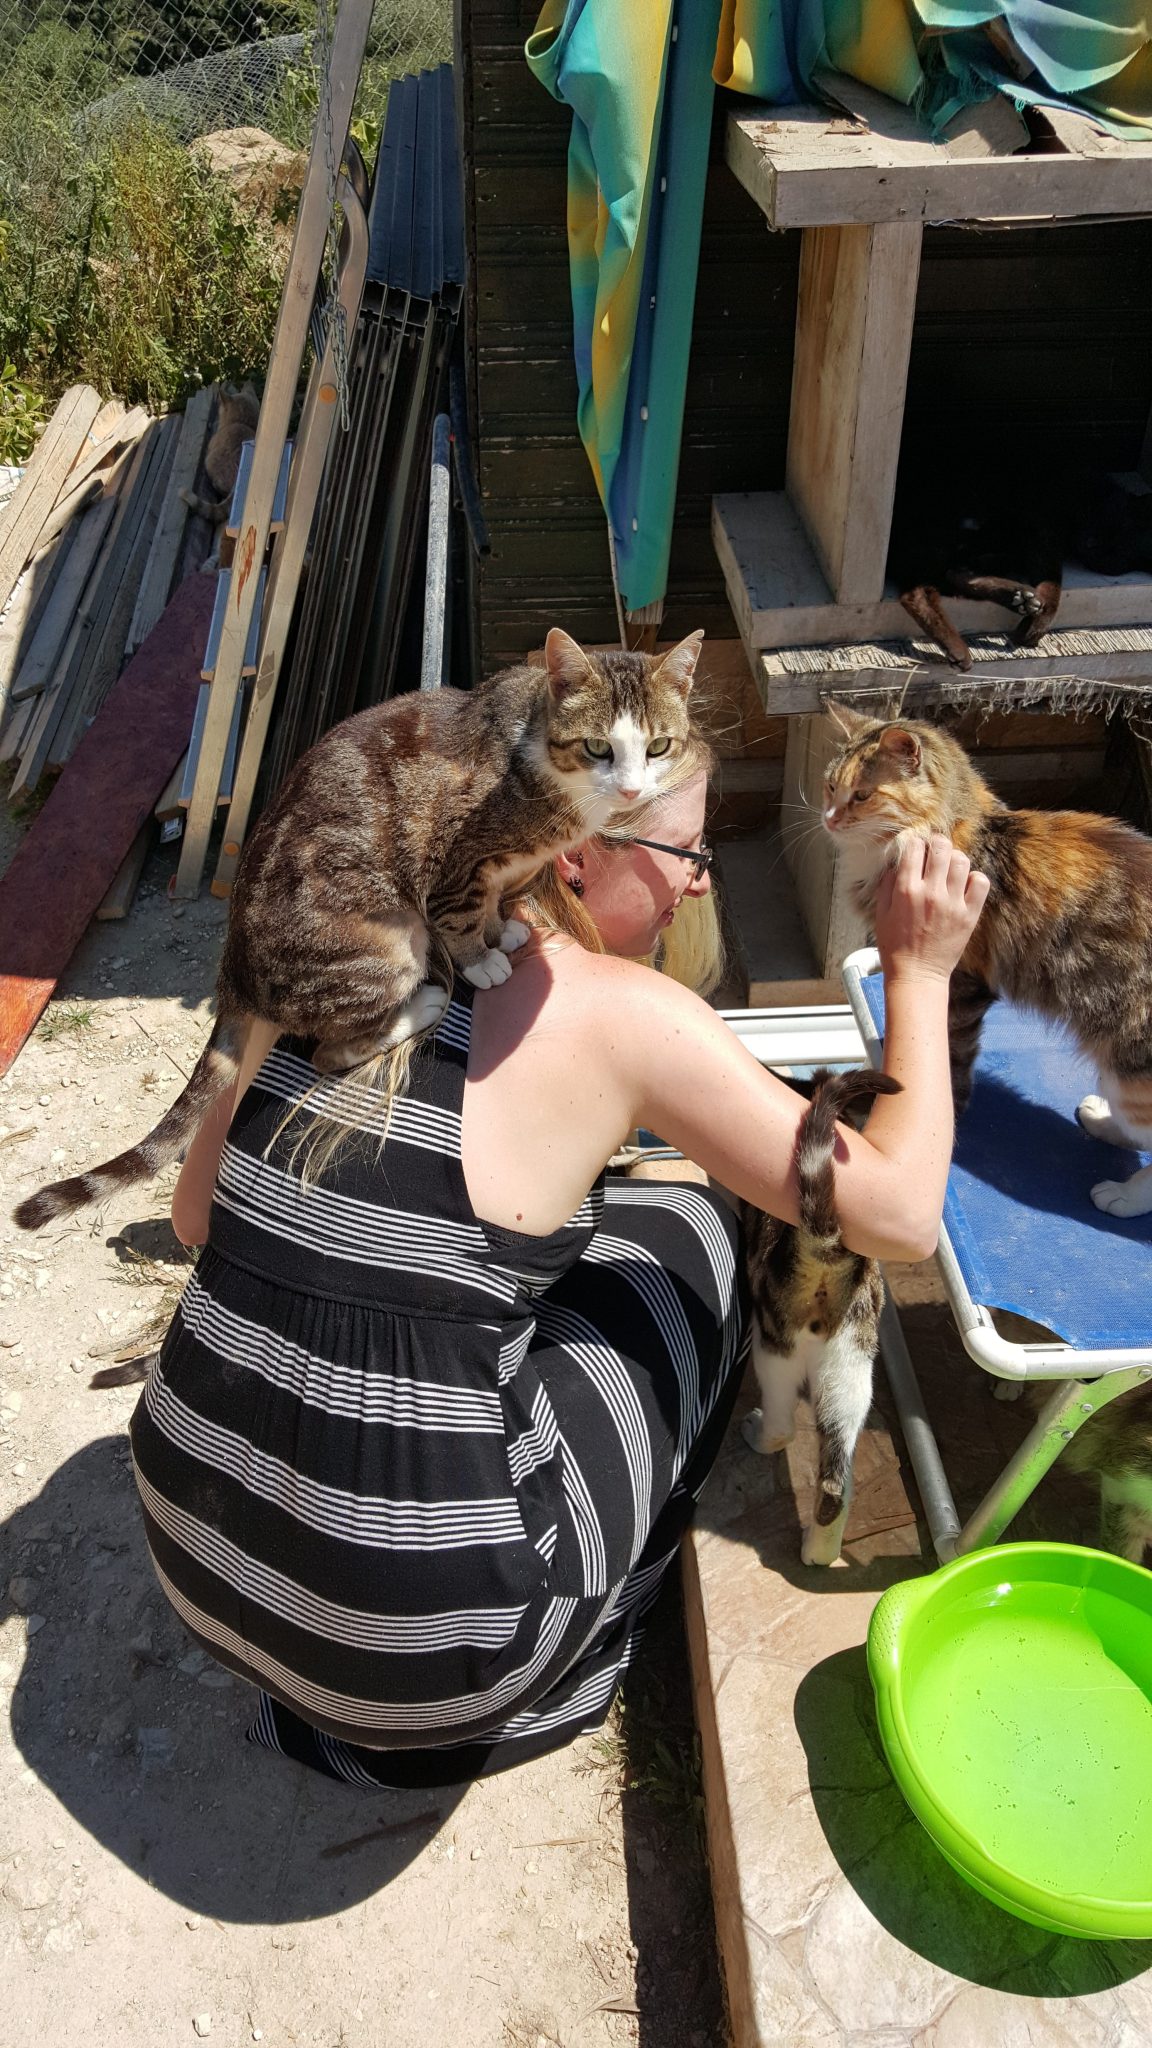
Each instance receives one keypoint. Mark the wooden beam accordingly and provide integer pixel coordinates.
(805, 167)
(169, 533)
(313, 216)
(854, 312)
(119, 899)
(39, 487)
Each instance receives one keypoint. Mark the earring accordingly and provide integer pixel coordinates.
(576, 885)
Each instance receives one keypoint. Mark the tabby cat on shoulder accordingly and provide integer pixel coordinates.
(1066, 930)
(392, 845)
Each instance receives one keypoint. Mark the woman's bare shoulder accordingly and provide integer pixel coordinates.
(601, 980)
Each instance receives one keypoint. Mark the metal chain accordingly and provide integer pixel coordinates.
(332, 313)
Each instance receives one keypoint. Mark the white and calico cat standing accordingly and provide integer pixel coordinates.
(816, 1313)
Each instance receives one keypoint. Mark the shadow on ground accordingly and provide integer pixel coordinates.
(900, 1875)
(150, 1757)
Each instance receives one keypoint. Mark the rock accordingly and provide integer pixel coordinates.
(114, 1727)
(34, 1624)
(13, 1401)
(193, 1921)
(193, 1664)
(21, 1592)
(265, 175)
(156, 1746)
(202, 2024)
(29, 1890)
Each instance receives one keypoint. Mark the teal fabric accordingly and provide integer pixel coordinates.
(639, 83)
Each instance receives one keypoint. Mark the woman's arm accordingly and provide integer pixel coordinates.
(192, 1197)
(698, 1088)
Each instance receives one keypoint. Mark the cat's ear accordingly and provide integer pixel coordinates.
(851, 723)
(566, 662)
(901, 744)
(679, 666)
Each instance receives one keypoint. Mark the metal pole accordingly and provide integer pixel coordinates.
(436, 575)
(935, 1492)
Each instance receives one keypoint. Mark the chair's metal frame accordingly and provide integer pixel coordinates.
(1083, 1380)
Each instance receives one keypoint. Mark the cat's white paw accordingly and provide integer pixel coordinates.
(489, 971)
(822, 1542)
(754, 1434)
(1094, 1115)
(1124, 1197)
(514, 935)
(1007, 1390)
(426, 1007)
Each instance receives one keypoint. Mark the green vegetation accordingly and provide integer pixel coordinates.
(124, 261)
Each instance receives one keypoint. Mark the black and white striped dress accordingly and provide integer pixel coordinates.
(415, 1476)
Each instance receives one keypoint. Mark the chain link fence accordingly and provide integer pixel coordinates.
(126, 260)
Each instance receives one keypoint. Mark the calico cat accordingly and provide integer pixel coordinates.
(816, 1313)
(393, 842)
(1066, 929)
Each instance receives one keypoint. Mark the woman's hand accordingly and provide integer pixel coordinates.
(927, 907)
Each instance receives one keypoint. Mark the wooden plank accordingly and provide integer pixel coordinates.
(14, 735)
(71, 852)
(38, 488)
(216, 629)
(26, 608)
(112, 428)
(806, 168)
(118, 902)
(312, 221)
(39, 663)
(105, 653)
(794, 995)
(69, 508)
(780, 597)
(286, 563)
(854, 314)
(168, 802)
(161, 565)
(929, 685)
(91, 610)
(98, 477)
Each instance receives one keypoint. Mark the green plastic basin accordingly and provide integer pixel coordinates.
(1014, 1695)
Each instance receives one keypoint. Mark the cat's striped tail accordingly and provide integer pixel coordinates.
(215, 1070)
(832, 1094)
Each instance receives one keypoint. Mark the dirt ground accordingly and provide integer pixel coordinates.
(161, 1881)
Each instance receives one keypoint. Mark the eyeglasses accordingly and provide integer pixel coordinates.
(701, 856)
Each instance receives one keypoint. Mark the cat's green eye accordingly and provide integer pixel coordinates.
(658, 747)
(598, 750)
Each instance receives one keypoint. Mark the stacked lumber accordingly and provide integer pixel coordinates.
(91, 543)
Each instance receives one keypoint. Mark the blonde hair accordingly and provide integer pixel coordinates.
(690, 952)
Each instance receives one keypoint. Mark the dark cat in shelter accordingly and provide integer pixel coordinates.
(1000, 543)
